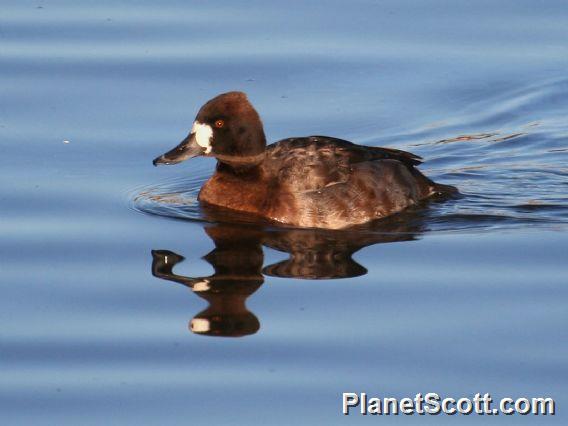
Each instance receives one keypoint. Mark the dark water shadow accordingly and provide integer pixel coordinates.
(239, 269)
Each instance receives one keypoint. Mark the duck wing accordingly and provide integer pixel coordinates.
(315, 162)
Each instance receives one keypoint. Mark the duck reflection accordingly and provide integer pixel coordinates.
(237, 260)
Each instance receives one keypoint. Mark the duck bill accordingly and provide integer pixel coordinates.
(188, 148)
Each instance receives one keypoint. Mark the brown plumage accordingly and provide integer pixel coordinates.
(316, 181)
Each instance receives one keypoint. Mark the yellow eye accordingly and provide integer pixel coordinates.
(219, 123)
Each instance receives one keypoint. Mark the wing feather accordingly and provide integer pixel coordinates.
(315, 162)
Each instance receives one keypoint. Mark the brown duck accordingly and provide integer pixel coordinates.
(314, 182)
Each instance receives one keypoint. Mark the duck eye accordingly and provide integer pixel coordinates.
(219, 123)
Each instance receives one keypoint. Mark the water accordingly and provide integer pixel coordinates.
(459, 297)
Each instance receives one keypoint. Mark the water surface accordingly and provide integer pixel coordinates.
(109, 312)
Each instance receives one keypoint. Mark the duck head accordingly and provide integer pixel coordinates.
(227, 128)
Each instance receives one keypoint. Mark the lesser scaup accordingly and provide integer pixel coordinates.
(316, 181)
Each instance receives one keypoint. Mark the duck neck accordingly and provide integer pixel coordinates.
(241, 167)
(236, 186)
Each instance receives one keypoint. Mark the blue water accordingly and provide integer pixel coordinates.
(458, 297)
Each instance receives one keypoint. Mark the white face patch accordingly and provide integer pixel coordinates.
(200, 325)
(201, 286)
(203, 135)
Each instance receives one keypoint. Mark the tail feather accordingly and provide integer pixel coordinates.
(405, 157)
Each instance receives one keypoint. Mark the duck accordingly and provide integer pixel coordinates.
(304, 182)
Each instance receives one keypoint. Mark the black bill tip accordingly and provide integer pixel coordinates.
(188, 148)
(160, 160)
